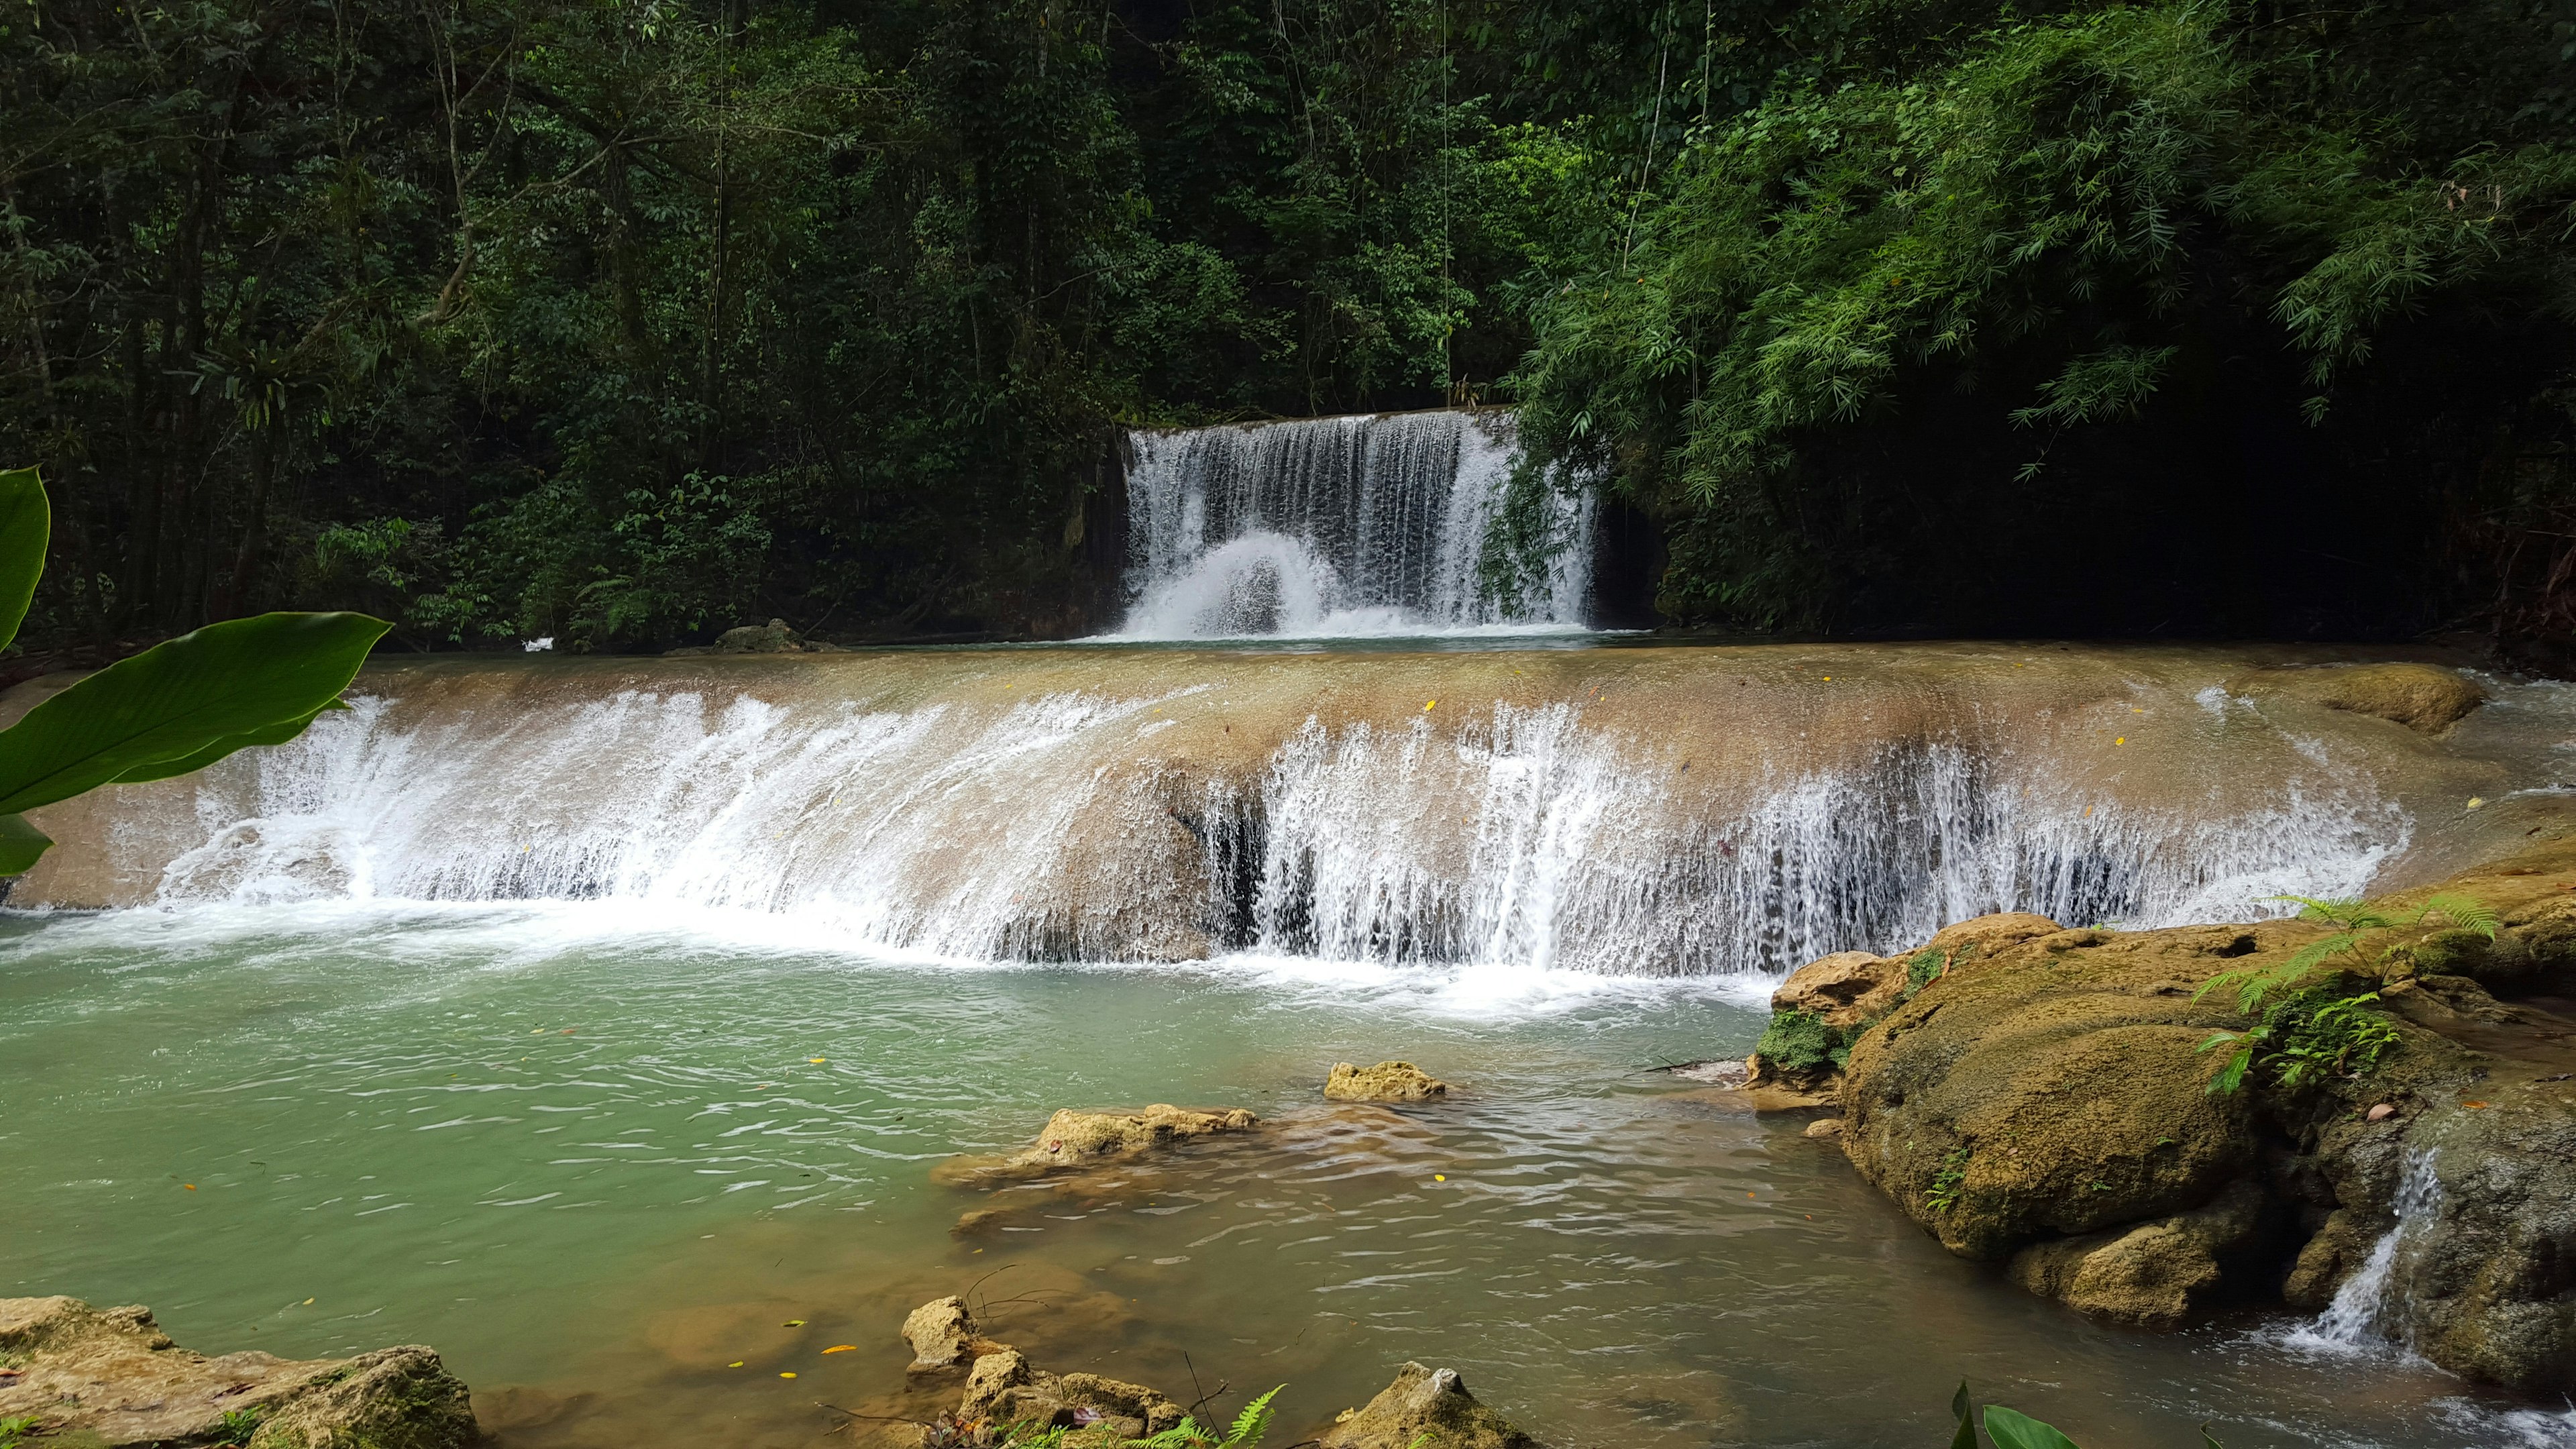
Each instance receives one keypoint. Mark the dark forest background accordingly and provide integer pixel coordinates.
(626, 321)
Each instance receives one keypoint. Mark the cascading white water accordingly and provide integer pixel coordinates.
(1053, 828)
(1565, 855)
(2368, 1311)
(1345, 526)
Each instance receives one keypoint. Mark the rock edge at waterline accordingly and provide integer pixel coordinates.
(1386, 1082)
(110, 1376)
(2040, 1100)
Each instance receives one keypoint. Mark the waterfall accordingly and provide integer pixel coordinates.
(2369, 1310)
(972, 808)
(1345, 527)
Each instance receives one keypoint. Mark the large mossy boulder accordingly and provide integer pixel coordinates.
(111, 1377)
(2050, 1108)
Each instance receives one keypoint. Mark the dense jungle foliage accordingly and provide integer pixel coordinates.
(625, 321)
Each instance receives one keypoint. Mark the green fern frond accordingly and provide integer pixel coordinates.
(1252, 1423)
(2465, 913)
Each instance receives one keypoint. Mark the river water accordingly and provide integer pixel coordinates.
(596, 1159)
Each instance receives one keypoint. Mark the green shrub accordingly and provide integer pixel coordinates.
(1800, 1044)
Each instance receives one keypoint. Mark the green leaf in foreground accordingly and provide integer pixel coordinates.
(21, 844)
(1964, 1408)
(26, 524)
(194, 699)
(2011, 1429)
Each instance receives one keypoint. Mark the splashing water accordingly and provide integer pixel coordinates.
(1341, 527)
(2368, 1311)
(1068, 826)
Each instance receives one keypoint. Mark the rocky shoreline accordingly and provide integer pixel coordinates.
(2042, 1099)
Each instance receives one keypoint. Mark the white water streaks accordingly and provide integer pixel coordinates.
(2369, 1311)
(1345, 527)
(970, 810)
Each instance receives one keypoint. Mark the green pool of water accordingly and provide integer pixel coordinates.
(596, 1161)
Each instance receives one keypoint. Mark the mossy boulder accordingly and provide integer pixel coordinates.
(2050, 1108)
(109, 1376)
(1385, 1082)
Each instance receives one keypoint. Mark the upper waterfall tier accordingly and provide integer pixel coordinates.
(1629, 811)
(1338, 527)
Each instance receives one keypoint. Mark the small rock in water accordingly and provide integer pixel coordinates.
(1825, 1127)
(1385, 1082)
(943, 1336)
(1729, 1073)
(1424, 1409)
(2380, 1113)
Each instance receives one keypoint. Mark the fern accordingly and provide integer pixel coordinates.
(2368, 941)
(1252, 1423)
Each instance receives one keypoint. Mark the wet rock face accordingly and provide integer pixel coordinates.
(1073, 1142)
(1425, 1409)
(2489, 1288)
(1385, 1082)
(110, 1376)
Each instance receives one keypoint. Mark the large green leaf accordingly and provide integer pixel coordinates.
(180, 700)
(20, 845)
(276, 734)
(26, 524)
(2011, 1429)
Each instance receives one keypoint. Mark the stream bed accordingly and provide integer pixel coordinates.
(597, 1156)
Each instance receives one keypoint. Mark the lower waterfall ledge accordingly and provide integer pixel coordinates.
(2046, 1103)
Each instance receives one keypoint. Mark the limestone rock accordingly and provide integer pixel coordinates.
(1844, 990)
(2156, 1274)
(1005, 1389)
(1385, 1082)
(1424, 1409)
(1824, 1127)
(2425, 698)
(1981, 936)
(2490, 1283)
(2330, 1256)
(943, 1336)
(773, 637)
(1073, 1138)
(2036, 1098)
(110, 1376)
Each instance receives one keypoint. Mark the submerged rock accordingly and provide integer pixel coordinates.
(109, 1376)
(1385, 1082)
(1077, 1141)
(1424, 1409)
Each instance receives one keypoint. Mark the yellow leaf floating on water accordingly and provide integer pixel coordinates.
(1426, 704)
(814, 1061)
(793, 1323)
(787, 1375)
(1439, 1177)
(737, 1363)
(842, 1348)
(2122, 740)
(2475, 802)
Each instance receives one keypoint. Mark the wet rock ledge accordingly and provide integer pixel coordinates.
(110, 1376)
(2041, 1099)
